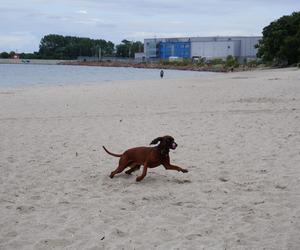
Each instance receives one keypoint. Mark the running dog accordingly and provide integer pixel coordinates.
(149, 157)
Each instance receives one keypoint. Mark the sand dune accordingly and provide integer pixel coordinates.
(238, 134)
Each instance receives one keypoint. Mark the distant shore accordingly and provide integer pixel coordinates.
(143, 65)
(132, 64)
(33, 61)
(147, 65)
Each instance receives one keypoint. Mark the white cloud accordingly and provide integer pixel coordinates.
(93, 22)
(141, 35)
(81, 12)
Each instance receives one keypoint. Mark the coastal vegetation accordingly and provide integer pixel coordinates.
(215, 64)
(280, 44)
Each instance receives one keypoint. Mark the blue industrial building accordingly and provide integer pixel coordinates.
(174, 49)
(241, 47)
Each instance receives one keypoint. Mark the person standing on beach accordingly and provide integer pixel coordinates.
(161, 74)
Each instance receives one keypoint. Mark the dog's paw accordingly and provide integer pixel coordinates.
(184, 170)
(139, 178)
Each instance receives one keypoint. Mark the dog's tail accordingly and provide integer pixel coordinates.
(116, 155)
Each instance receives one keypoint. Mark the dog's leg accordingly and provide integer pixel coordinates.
(123, 163)
(142, 176)
(173, 167)
(118, 170)
(169, 166)
(134, 168)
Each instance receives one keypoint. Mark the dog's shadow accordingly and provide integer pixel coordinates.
(152, 178)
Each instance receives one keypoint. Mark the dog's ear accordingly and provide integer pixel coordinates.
(155, 141)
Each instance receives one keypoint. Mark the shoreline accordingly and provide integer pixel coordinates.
(146, 66)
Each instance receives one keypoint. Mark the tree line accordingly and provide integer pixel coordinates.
(70, 47)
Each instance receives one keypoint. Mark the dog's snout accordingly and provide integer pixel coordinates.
(174, 145)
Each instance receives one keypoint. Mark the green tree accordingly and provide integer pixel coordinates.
(4, 55)
(59, 47)
(34, 55)
(129, 48)
(51, 46)
(281, 41)
(123, 49)
(12, 54)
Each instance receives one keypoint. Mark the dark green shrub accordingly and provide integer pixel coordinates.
(231, 62)
(216, 61)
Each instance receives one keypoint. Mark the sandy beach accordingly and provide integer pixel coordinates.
(238, 134)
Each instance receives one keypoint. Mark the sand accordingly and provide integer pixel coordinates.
(238, 134)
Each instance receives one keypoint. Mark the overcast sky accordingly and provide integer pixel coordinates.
(24, 22)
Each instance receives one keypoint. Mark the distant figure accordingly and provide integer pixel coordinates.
(161, 74)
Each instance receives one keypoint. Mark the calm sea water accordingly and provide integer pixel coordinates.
(15, 75)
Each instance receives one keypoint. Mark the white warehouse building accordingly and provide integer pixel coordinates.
(241, 47)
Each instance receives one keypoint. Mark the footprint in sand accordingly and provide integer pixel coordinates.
(53, 243)
(12, 234)
(35, 197)
(25, 209)
(11, 159)
(193, 236)
(182, 181)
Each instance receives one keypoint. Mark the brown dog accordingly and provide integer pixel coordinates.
(149, 157)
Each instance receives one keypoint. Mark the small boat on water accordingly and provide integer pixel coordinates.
(25, 61)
